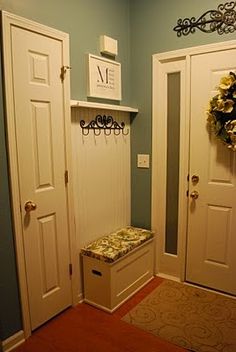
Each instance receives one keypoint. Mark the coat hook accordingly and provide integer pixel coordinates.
(85, 132)
(107, 132)
(125, 133)
(97, 132)
(116, 132)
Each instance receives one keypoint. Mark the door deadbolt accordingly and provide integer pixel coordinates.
(195, 179)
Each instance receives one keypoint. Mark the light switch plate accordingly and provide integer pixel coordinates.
(143, 161)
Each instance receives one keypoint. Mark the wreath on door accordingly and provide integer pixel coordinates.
(222, 111)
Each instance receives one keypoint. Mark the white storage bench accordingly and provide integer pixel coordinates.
(116, 266)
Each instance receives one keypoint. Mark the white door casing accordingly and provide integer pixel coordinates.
(211, 259)
(38, 123)
(165, 262)
(176, 267)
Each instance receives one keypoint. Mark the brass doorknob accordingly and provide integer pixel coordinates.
(29, 206)
(194, 194)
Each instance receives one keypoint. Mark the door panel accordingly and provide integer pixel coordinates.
(211, 259)
(39, 111)
(42, 136)
(218, 220)
(49, 254)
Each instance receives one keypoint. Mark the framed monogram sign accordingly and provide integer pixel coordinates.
(104, 78)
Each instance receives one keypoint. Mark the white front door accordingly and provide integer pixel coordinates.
(211, 244)
(41, 153)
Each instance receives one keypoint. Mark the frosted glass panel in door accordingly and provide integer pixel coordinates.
(173, 130)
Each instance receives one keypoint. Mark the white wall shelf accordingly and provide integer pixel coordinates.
(88, 104)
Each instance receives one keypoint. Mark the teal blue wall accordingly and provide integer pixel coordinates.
(10, 316)
(85, 21)
(142, 29)
(151, 24)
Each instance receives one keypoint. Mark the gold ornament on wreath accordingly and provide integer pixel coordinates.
(222, 111)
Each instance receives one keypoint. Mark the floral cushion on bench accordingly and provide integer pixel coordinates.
(111, 247)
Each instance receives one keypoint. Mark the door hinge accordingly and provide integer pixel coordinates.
(187, 193)
(63, 72)
(70, 269)
(66, 177)
(188, 177)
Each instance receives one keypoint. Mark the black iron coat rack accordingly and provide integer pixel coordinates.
(103, 123)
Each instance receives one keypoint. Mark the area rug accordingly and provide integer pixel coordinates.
(193, 318)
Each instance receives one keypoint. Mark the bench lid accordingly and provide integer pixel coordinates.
(115, 245)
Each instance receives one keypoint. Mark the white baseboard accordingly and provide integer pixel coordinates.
(17, 339)
(168, 277)
(80, 298)
(13, 341)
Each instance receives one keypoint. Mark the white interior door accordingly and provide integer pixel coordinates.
(211, 259)
(40, 135)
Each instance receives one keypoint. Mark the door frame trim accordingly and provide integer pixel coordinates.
(168, 264)
(9, 20)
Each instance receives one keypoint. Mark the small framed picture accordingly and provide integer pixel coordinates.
(104, 78)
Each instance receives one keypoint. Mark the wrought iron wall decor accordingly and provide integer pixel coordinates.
(105, 123)
(222, 21)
